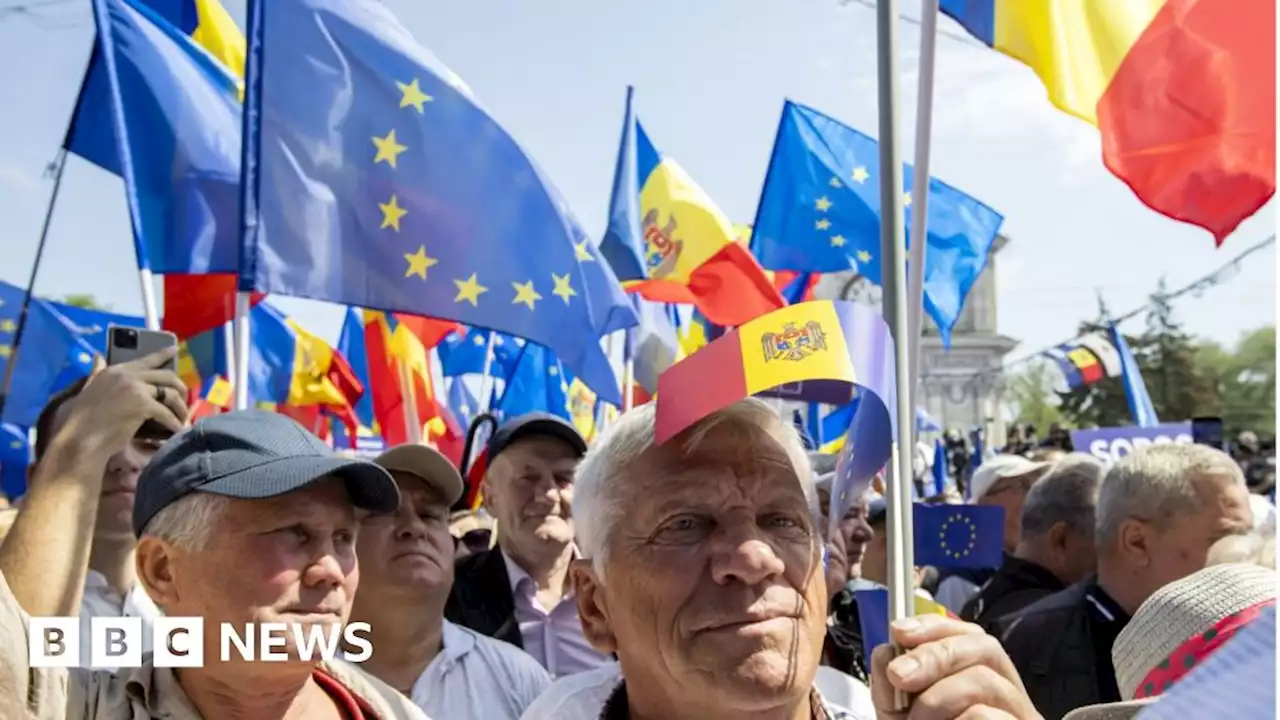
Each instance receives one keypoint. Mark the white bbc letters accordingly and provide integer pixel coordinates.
(115, 642)
(53, 642)
(179, 642)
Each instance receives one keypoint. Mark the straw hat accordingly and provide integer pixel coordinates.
(1177, 628)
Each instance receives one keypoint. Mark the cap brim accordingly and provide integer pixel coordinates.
(544, 427)
(369, 486)
(427, 464)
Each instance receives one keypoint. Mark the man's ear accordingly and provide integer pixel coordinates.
(1057, 538)
(593, 609)
(1135, 539)
(153, 561)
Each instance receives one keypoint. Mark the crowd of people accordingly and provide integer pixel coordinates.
(700, 578)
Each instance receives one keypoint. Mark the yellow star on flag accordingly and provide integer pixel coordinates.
(837, 241)
(479, 341)
(388, 149)
(419, 263)
(835, 182)
(906, 199)
(823, 204)
(469, 290)
(822, 224)
(412, 95)
(581, 252)
(525, 294)
(563, 288)
(864, 256)
(860, 174)
(392, 213)
(8, 326)
(4, 351)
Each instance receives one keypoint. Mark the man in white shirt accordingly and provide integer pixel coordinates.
(110, 585)
(406, 572)
(519, 591)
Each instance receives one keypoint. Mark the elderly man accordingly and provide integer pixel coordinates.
(519, 591)
(406, 572)
(243, 518)
(702, 570)
(1160, 510)
(1057, 546)
(1002, 481)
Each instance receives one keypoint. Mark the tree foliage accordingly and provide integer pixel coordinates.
(1245, 380)
(1031, 395)
(87, 302)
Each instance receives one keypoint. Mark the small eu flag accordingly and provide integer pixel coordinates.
(374, 178)
(959, 536)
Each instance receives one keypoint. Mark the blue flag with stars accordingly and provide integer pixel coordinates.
(376, 179)
(959, 536)
(463, 351)
(820, 212)
(538, 384)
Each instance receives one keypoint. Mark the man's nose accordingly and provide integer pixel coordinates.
(126, 463)
(325, 571)
(744, 555)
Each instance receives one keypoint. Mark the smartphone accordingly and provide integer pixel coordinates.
(125, 344)
(1207, 431)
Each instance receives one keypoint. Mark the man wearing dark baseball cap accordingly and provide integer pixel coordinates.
(406, 573)
(243, 518)
(518, 591)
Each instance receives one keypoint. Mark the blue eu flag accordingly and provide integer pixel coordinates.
(375, 179)
(538, 384)
(463, 351)
(176, 115)
(959, 536)
(820, 212)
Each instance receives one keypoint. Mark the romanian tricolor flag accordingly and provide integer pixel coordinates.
(669, 242)
(1182, 91)
(398, 347)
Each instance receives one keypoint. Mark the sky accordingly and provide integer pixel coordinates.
(710, 78)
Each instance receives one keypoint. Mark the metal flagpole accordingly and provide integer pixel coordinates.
(920, 197)
(58, 166)
(898, 498)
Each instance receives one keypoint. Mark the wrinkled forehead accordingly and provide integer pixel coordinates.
(720, 461)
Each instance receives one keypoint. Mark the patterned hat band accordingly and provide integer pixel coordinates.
(1187, 656)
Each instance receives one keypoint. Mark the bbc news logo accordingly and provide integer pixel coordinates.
(178, 642)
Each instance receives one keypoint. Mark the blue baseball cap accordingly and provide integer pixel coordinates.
(535, 424)
(253, 455)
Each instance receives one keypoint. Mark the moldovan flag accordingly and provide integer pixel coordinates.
(1182, 91)
(668, 242)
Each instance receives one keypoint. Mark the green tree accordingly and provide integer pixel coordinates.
(87, 302)
(1178, 388)
(1031, 396)
(1245, 379)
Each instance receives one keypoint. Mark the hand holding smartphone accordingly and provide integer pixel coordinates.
(126, 344)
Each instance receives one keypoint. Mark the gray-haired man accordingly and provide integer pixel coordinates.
(1056, 547)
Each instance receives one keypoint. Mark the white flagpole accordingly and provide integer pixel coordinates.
(149, 312)
(229, 339)
(893, 252)
(243, 338)
(486, 381)
(920, 198)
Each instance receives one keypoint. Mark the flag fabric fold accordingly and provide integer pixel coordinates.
(1135, 389)
(1183, 92)
(379, 181)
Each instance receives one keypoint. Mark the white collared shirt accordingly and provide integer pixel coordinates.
(100, 600)
(478, 678)
(553, 637)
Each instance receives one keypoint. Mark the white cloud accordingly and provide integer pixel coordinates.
(15, 178)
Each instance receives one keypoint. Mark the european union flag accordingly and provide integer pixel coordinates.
(15, 457)
(539, 384)
(57, 348)
(377, 180)
(176, 114)
(959, 536)
(463, 351)
(461, 402)
(820, 212)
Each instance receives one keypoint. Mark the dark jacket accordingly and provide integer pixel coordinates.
(481, 597)
(1052, 643)
(1017, 584)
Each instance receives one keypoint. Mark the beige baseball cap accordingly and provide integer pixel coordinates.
(428, 464)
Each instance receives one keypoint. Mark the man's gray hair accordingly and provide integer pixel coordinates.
(1157, 484)
(1067, 493)
(187, 523)
(596, 504)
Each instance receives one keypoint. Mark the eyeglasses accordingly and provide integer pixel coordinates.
(475, 540)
